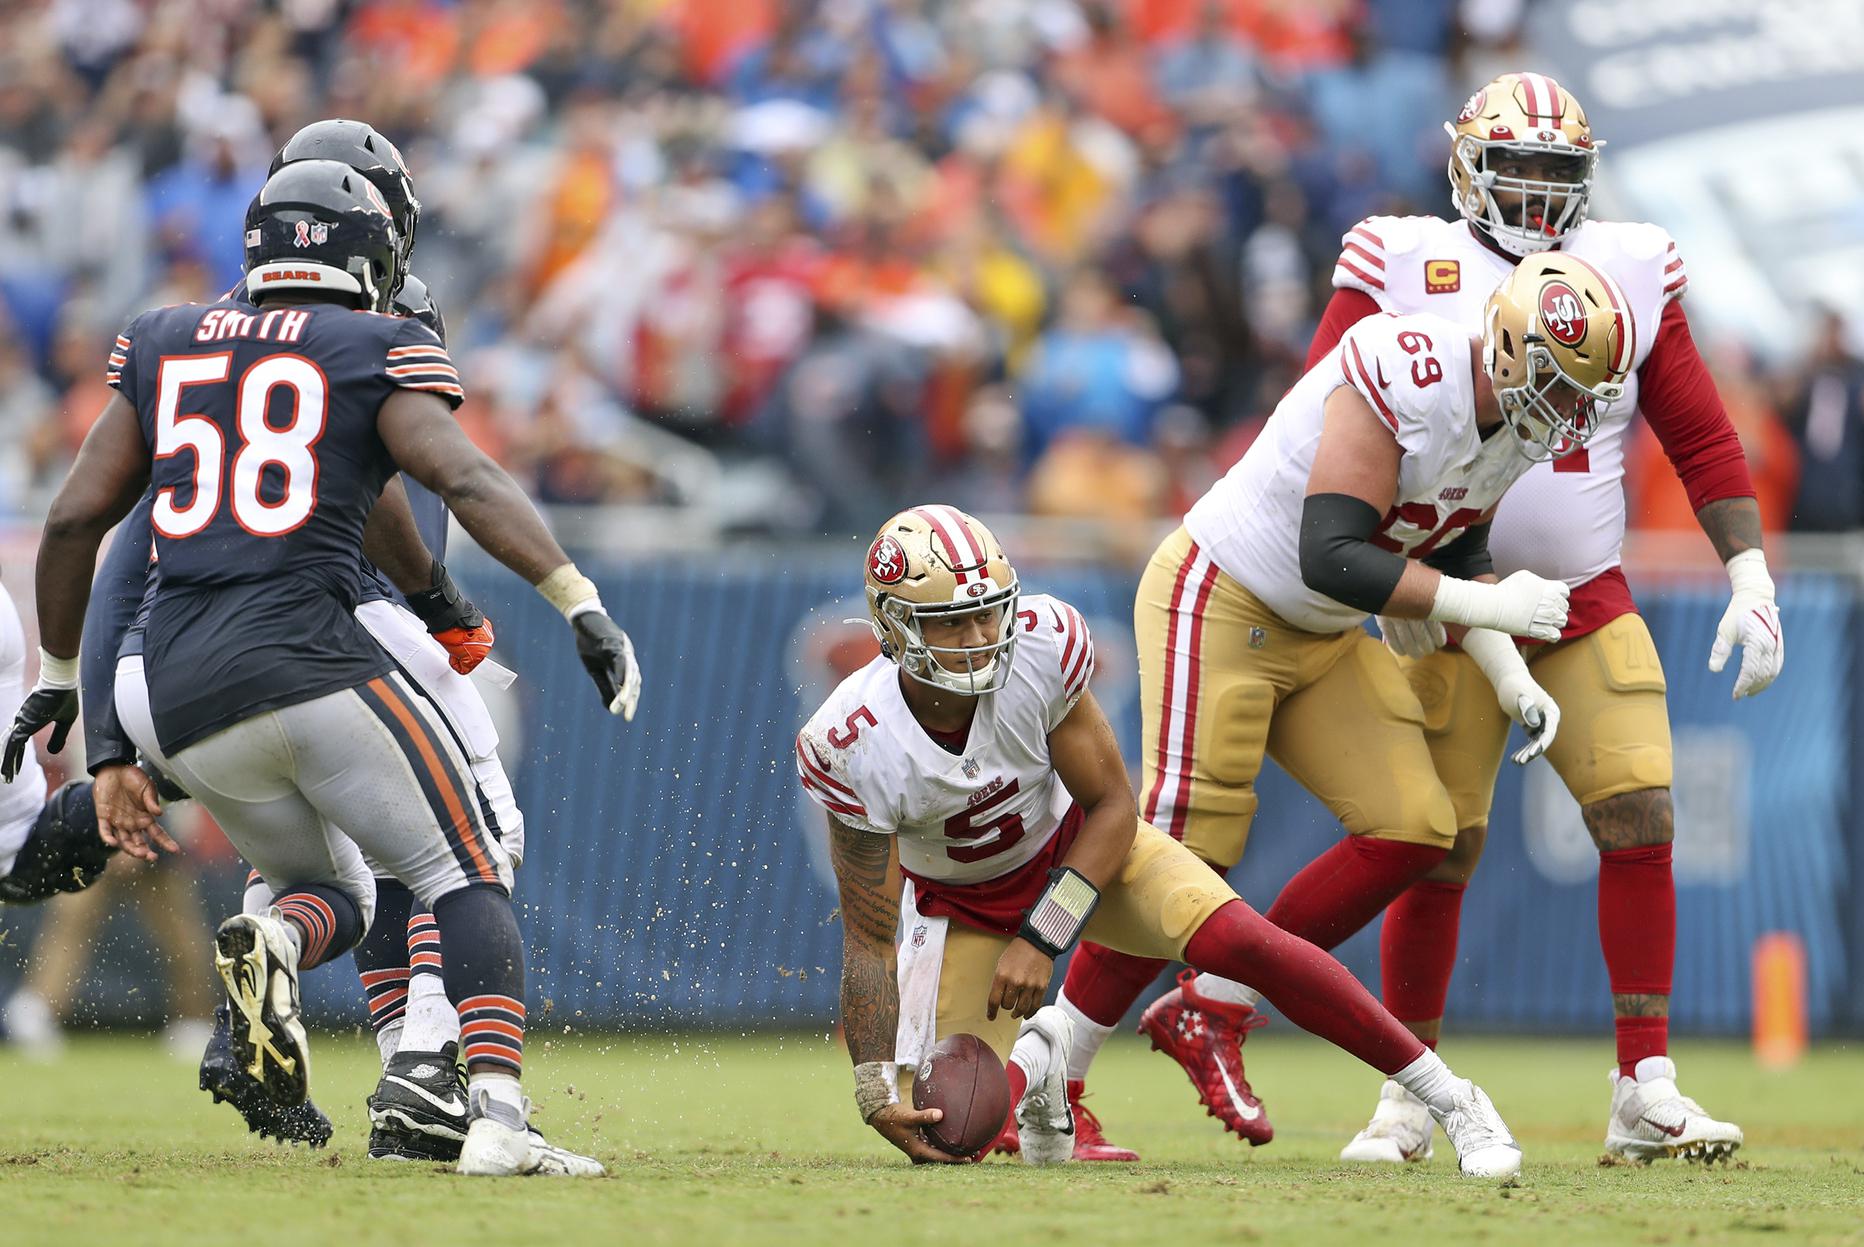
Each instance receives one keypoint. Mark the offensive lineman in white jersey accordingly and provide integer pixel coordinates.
(1521, 170)
(972, 749)
(1370, 491)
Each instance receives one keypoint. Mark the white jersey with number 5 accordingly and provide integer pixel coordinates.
(1427, 264)
(1417, 373)
(960, 817)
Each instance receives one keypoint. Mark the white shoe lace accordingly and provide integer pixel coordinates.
(1473, 1124)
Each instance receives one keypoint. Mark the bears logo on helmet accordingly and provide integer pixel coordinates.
(1561, 313)
(886, 560)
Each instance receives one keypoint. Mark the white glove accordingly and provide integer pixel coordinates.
(1521, 697)
(1751, 621)
(1523, 605)
(1411, 638)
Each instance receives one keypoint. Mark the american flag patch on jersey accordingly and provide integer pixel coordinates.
(425, 366)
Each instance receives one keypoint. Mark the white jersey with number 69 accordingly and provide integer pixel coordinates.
(1418, 375)
(963, 817)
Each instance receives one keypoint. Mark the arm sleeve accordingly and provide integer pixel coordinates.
(115, 599)
(1347, 308)
(1678, 398)
(1467, 557)
(418, 361)
(1338, 557)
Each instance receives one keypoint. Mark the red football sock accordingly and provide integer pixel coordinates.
(1344, 888)
(1311, 989)
(1019, 1083)
(1417, 950)
(1637, 932)
(1104, 984)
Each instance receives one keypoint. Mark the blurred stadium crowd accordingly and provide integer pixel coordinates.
(790, 261)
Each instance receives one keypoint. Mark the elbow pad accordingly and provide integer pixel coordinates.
(1467, 557)
(1337, 554)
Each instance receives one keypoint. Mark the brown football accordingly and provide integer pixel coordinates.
(964, 1078)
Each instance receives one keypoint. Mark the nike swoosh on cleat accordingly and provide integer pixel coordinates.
(1243, 1110)
(1675, 1132)
(452, 1104)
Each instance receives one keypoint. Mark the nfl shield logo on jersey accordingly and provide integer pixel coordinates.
(919, 936)
(1258, 638)
(970, 768)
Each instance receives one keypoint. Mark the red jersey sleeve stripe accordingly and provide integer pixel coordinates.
(1369, 236)
(1083, 666)
(830, 802)
(1377, 283)
(1370, 258)
(1371, 391)
(815, 770)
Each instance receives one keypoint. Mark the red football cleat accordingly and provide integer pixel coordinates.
(1089, 1142)
(1206, 1038)
(1007, 1141)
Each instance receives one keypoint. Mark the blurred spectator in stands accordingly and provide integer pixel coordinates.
(1088, 473)
(198, 207)
(27, 406)
(1210, 74)
(1102, 367)
(1826, 414)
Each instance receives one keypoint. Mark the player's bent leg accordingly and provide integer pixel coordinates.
(61, 852)
(1174, 905)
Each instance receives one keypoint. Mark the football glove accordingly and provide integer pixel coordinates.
(1411, 638)
(1751, 621)
(453, 621)
(1523, 605)
(1521, 696)
(608, 656)
(53, 700)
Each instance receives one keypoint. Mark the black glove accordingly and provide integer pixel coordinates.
(608, 656)
(42, 706)
(443, 607)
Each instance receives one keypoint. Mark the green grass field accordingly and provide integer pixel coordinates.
(723, 1140)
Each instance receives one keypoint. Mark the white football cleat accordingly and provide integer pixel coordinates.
(499, 1144)
(257, 958)
(1044, 1118)
(1484, 1147)
(1652, 1119)
(1400, 1130)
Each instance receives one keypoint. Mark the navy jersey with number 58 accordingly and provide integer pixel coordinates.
(261, 423)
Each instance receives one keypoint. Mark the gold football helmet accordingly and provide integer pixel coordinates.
(1522, 160)
(1558, 341)
(936, 560)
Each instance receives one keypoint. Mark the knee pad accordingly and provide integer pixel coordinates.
(63, 853)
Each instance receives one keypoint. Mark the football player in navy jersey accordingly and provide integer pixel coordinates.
(268, 430)
(399, 960)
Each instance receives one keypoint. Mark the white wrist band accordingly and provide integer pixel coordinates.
(1494, 652)
(1466, 602)
(1747, 573)
(876, 1085)
(56, 672)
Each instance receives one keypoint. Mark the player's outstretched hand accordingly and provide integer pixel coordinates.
(1023, 974)
(608, 656)
(127, 806)
(899, 1125)
(58, 706)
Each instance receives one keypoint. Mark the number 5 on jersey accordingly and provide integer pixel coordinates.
(261, 443)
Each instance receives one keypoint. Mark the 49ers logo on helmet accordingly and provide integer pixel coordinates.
(1562, 313)
(886, 560)
(1471, 108)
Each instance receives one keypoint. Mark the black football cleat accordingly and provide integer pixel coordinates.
(225, 1079)
(418, 1111)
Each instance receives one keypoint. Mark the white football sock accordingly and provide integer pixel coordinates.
(431, 1021)
(388, 1040)
(1033, 1053)
(1088, 1036)
(1225, 991)
(1431, 1081)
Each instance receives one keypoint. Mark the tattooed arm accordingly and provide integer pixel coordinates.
(1732, 525)
(870, 998)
